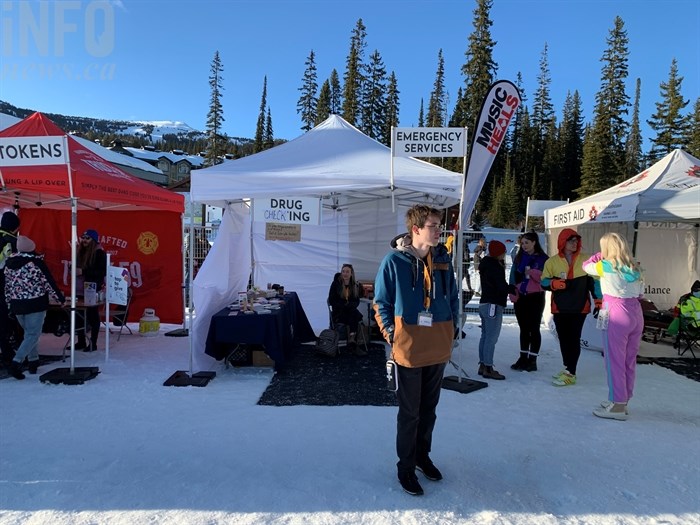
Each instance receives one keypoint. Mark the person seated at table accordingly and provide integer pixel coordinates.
(27, 288)
(344, 297)
(92, 268)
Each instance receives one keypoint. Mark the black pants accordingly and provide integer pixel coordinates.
(528, 312)
(569, 327)
(92, 314)
(9, 332)
(418, 396)
(349, 316)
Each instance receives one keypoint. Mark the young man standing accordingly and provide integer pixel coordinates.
(417, 310)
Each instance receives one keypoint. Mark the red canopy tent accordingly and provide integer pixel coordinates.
(48, 177)
(94, 182)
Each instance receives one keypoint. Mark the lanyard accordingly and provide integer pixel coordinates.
(427, 280)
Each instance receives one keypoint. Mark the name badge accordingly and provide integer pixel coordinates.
(425, 319)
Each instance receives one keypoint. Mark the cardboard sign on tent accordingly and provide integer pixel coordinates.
(39, 192)
(658, 212)
(350, 173)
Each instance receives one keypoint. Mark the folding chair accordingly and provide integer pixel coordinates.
(342, 330)
(120, 315)
(688, 339)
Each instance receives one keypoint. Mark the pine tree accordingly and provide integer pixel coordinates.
(306, 106)
(216, 143)
(336, 93)
(694, 135)
(323, 107)
(542, 108)
(670, 125)
(480, 69)
(373, 100)
(392, 108)
(269, 134)
(259, 143)
(354, 77)
(633, 147)
(571, 139)
(436, 106)
(604, 152)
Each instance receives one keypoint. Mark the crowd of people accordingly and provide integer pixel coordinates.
(28, 290)
(418, 315)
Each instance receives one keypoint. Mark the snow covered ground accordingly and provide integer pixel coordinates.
(123, 449)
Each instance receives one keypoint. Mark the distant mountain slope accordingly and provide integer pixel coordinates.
(153, 131)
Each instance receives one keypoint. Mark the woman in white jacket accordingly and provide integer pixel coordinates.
(622, 285)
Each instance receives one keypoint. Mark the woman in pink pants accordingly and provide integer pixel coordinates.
(622, 285)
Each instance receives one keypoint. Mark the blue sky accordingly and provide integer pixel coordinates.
(149, 60)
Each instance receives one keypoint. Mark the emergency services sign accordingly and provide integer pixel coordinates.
(285, 210)
(429, 142)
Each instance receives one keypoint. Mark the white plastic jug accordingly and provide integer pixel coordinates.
(149, 324)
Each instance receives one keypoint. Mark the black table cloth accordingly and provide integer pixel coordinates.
(278, 332)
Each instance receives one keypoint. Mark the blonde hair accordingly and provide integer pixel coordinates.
(614, 248)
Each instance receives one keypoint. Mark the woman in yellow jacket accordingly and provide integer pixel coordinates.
(571, 289)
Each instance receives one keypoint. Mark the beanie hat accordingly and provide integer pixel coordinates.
(9, 222)
(92, 234)
(25, 244)
(695, 287)
(496, 248)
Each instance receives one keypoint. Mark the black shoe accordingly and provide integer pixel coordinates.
(482, 369)
(81, 344)
(409, 483)
(490, 373)
(15, 370)
(33, 366)
(429, 470)
(520, 363)
(531, 365)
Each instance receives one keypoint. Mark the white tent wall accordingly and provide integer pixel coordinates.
(358, 232)
(223, 273)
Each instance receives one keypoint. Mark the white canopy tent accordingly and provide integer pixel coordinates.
(658, 211)
(350, 174)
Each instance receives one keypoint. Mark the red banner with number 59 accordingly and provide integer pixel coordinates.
(147, 243)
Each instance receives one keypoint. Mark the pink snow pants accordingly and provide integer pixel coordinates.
(621, 345)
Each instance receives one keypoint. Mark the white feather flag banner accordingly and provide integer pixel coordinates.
(497, 111)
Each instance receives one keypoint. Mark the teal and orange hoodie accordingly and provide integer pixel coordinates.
(400, 295)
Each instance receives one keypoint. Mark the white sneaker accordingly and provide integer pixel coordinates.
(560, 373)
(617, 411)
(608, 404)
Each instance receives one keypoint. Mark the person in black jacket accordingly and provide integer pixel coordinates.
(9, 224)
(28, 284)
(92, 268)
(494, 293)
(344, 297)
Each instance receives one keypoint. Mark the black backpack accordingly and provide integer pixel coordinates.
(327, 343)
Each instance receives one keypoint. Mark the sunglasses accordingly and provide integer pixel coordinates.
(85, 237)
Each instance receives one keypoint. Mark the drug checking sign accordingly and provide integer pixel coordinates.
(303, 210)
(429, 142)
